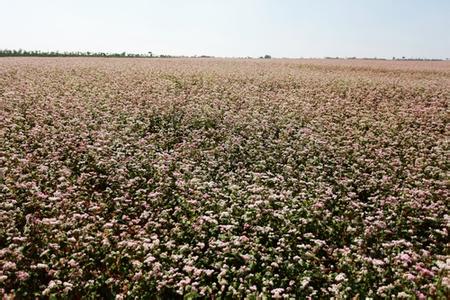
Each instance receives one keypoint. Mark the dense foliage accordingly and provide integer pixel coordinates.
(279, 178)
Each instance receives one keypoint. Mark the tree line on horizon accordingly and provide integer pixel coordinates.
(20, 52)
(39, 53)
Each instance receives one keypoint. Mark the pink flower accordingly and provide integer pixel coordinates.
(424, 272)
(420, 296)
(405, 257)
(22, 276)
(246, 257)
(378, 262)
(9, 266)
(137, 276)
(244, 239)
(410, 276)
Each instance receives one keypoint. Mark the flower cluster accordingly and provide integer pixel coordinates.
(223, 178)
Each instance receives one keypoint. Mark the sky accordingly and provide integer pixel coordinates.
(231, 28)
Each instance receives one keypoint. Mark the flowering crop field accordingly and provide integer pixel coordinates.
(224, 178)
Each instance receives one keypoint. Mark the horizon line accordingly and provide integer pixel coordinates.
(5, 52)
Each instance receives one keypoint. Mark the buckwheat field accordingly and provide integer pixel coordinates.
(224, 178)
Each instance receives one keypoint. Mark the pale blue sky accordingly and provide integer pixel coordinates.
(282, 28)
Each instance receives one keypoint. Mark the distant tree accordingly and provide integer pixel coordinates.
(267, 56)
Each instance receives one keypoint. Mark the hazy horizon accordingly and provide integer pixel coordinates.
(292, 29)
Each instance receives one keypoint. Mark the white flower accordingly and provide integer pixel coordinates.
(403, 295)
(340, 277)
(42, 266)
(277, 293)
(305, 281)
